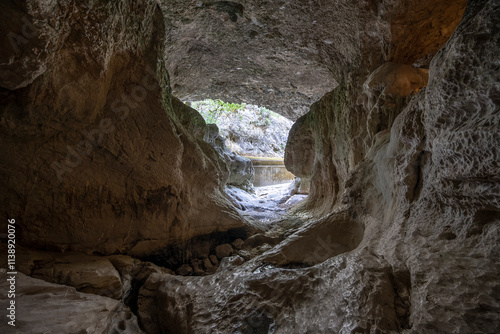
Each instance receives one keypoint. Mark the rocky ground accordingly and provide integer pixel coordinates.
(267, 204)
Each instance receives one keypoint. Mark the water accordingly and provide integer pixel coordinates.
(268, 203)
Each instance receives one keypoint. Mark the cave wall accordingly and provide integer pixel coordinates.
(96, 155)
(401, 230)
(376, 81)
(287, 54)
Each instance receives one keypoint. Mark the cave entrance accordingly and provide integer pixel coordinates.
(267, 189)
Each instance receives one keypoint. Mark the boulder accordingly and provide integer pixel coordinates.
(120, 164)
(223, 251)
(184, 270)
(214, 260)
(44, 307)
(238, 243)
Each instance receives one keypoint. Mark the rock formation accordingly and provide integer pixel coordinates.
(400, 232)
(51, 308)
(97, 156)
(241, 171)
(248, 130)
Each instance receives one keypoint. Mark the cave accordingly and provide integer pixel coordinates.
(122, 208)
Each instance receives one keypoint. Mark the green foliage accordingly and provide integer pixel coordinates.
(217, 109)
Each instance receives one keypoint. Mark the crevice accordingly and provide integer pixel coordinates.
(401, 283)
(132, 298)
(418, 183)
(200, 247)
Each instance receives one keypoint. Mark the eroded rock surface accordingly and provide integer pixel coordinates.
(97, 156)
(400, 232)
(287, 54)
(50, 308)
(423, 190)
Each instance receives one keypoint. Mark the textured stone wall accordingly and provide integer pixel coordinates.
(96, 155)
(401, 232)
(287, 54)
(401, 229)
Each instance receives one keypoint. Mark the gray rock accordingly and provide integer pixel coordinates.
(257, 240)
(70, 311)
(241, 171)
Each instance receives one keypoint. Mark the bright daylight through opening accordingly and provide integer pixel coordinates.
(252, 139)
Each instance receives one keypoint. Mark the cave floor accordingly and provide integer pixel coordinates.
(267, 205)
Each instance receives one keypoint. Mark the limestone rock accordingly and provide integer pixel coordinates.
(400, 232)
(414, 191)
(207, 264)
(116, 164)
(317, 241)
(241, 171)
(214, 260)
(223, 251)
(184, 270)
(197, 266)
(259, 239)
(111, 276)
(87, 274)
(248, 130)
(49, 308)
(280, 299)
(288, 55)
(200, 249)
(238, 243)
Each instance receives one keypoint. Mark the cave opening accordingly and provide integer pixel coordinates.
(252, 141)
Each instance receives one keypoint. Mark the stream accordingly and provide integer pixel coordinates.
(268, 203)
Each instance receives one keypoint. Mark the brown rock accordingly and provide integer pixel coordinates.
(89, 274)
(184, 270)
(109, 177)
(223, 251)
(200, 249)
(259, 239)
(238, 243)
(207, 264)
(214, 259)
(197, 264)
(70, 311)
